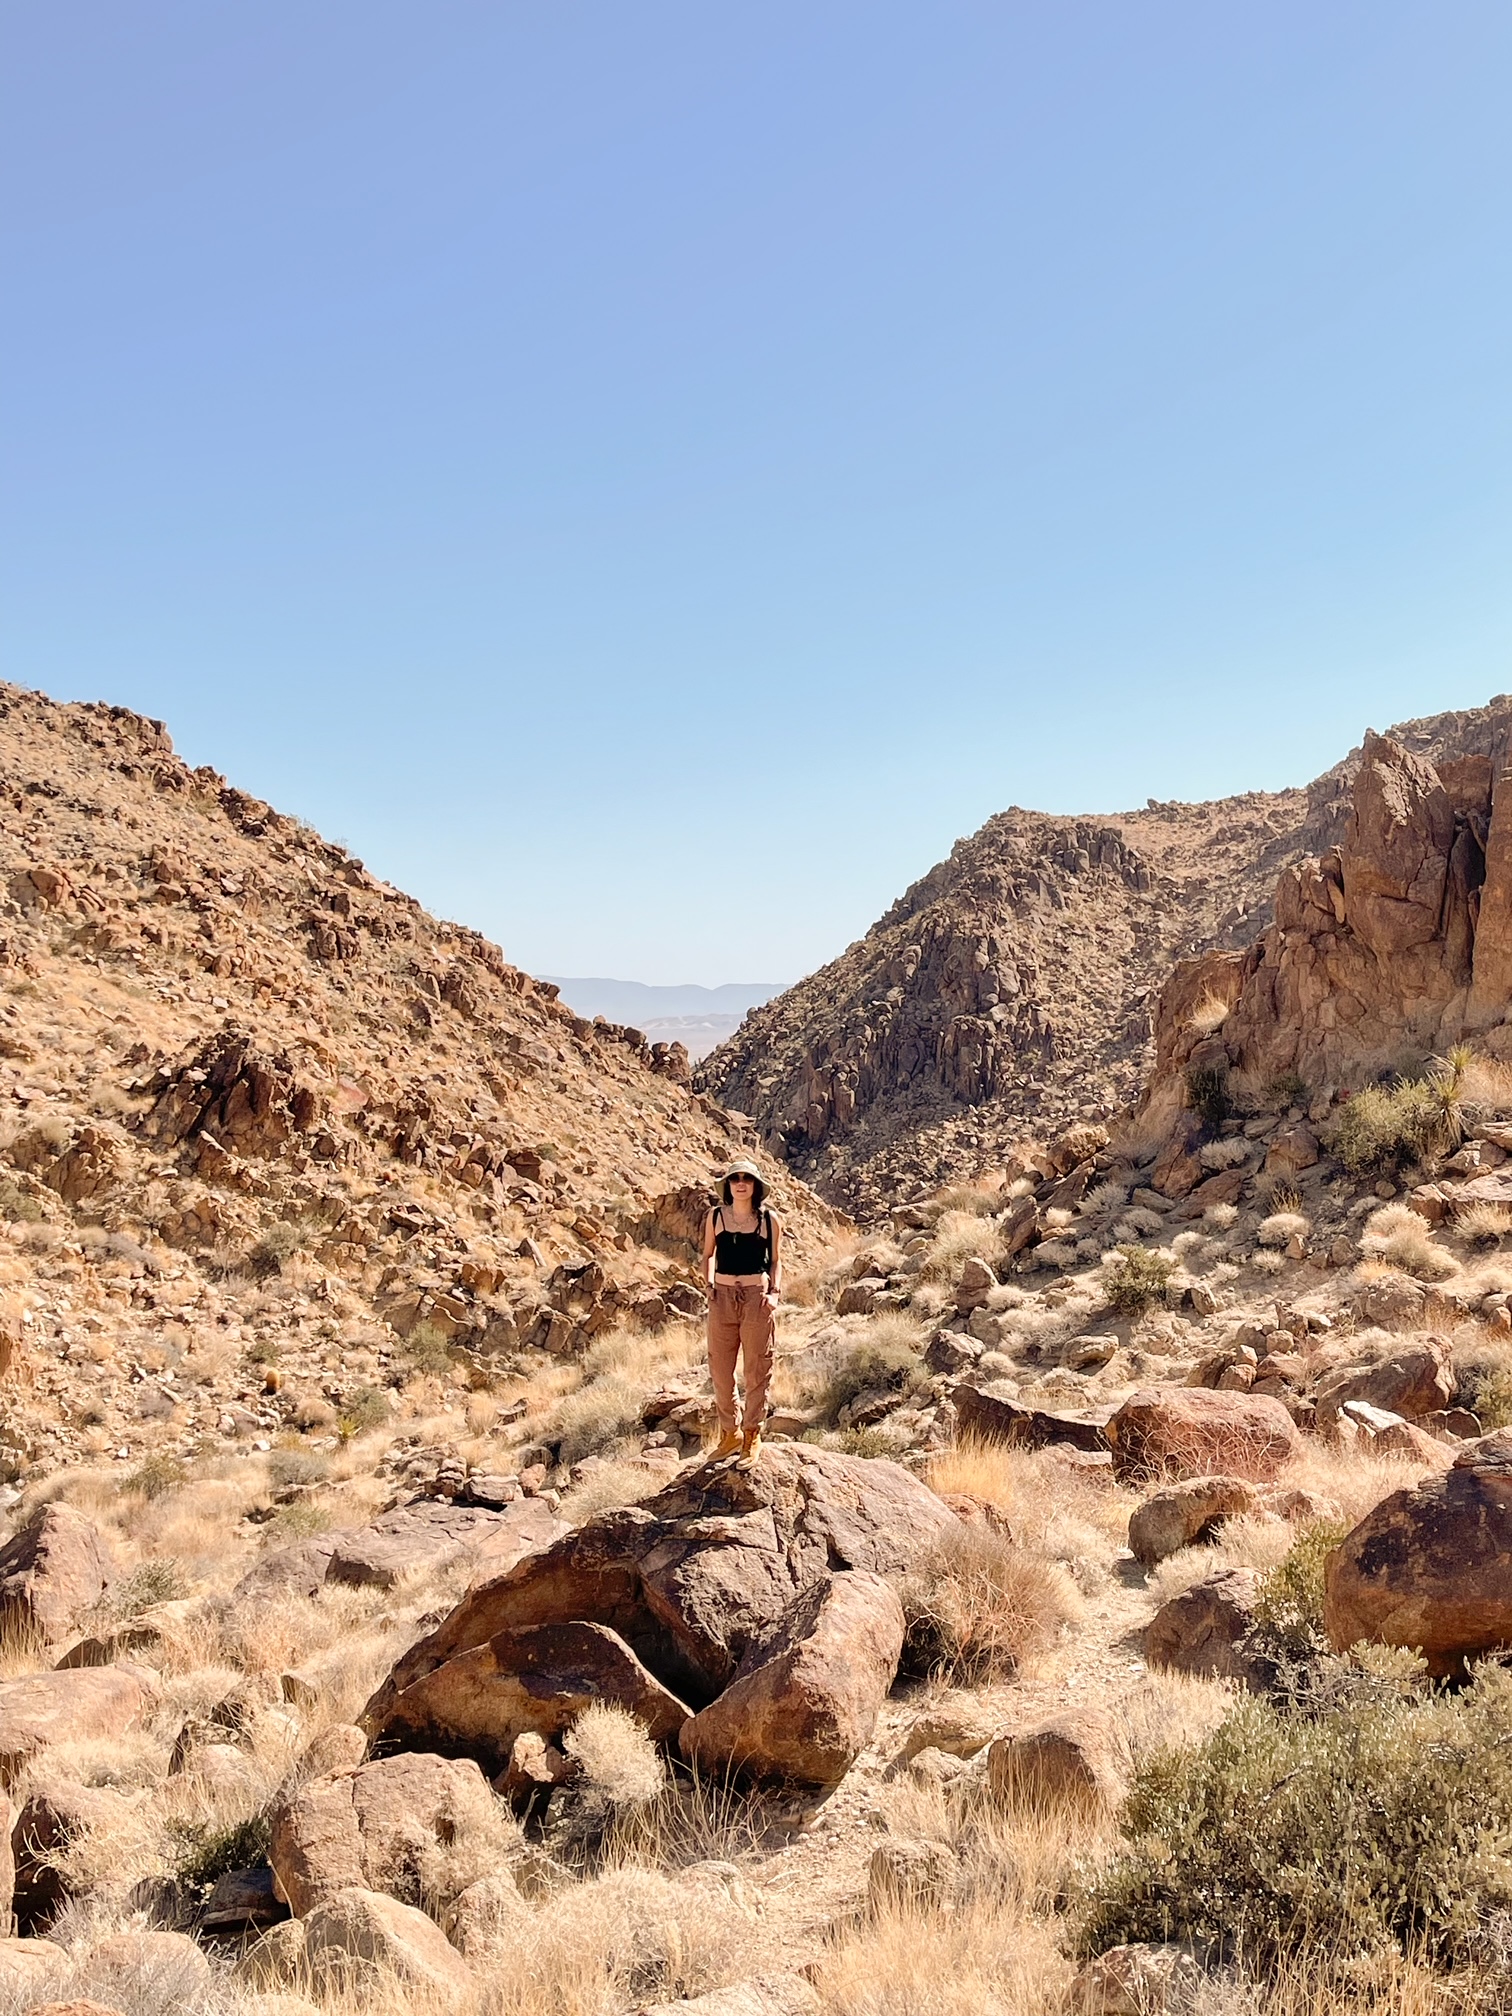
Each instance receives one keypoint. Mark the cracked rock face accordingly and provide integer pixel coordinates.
(690, 1584)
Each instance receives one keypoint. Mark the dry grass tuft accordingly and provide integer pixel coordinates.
(980, 1607)
(1284, 1226)
(1398, 1236)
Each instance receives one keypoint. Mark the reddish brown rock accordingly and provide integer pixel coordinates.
(695, 1576)
(46, 1708)
(1071, 1760)
(52, 1571)
(1204, 1631)
(355, 1932)
(804, 1702)
(992, 1414)
(539, 1678)
(1415, 1379)
(1182, 1514)
(1431, 1568)
(1189, 1431)
(365, 1827)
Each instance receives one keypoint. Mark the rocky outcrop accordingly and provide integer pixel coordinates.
(368, 1827)
(804, 1700)
(1412, 1381)
(51, 1572)
(691, 1582)
(1396, 940)
(1188, 1431)
(1431, 1568)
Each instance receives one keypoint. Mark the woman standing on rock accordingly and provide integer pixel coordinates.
(742, 1256)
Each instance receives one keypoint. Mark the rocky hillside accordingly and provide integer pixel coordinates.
(275, 1137)
(1013, 987)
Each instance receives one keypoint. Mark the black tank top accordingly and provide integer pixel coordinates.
(743, 1252)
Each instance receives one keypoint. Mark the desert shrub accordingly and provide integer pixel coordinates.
(1227, 1153)
(1282, 1227)
(1384, 1127)
(156, 1476)
(1483, 1383)
(1377, 1826)
(1210, 1013)
(1287, 1088)
(16, 1208)
(978, 1606)
(1134, 1278)
(621, 1775)
(875, 1361)
(275, 1249)
(298, 1520)
(1104, 1199)
(160, 1580)
(262, 1351)
(1207, 1094)
(958, 1236)
(428, 1349)
(1221, 1217)
(1289, 1597)
(206, 1852)
(297, 1466)
(594, 1418)
(1396, 1234)
(366, 1407)
(1484, 1224)
(971, 1197)
(881, 1440)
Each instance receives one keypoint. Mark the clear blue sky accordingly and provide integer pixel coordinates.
(542, 443)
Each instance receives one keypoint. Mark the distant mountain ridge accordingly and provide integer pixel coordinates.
(635, 1002)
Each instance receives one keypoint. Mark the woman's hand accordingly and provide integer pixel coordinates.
(772, 1299)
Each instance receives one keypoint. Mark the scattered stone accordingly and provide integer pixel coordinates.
(1415, 1379)
(51, 1572)
(1204, 1631)
(1140, 1981)
(349, 1934)
(772, 1995)
(487, 1918)
(975, 1285)
(916, 1875)
(1189, 1431)
(992, 1414)
(1069, 1761)
(1180, 1515)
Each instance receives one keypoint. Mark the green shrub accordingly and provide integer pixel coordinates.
(298, 1520)
(428, 1349)
(297, 1466)
(263, 1351)
(275, 1249)
(1287, 1088)
(1207, 1094)
(1289, 1597)
(206, 1853)
(1381, 1824)
(1134, 1278)
(161, 1580)
(1485, 1387)
(873, 1363)
(156, 1476)
(367, 1407)
(1384, 1127)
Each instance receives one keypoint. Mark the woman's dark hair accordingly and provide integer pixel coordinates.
(758, 1192)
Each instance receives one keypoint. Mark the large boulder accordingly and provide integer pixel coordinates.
(1181, 1514)
(538, 1679)
(994, 1413)
(1431, 1568)
(1415, 1379)
(355, 1933)
(804, 1700)
(695, 1577)
(1071, 1761)
(1188, 1431)
(45, 1708)
(431, 1534)
(53, 1570)
(1206, 1631)
(366, 1828)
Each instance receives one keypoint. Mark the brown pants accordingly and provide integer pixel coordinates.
(741, 1323)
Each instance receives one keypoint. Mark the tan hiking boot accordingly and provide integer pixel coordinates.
(750, 1448)
(727, 1444)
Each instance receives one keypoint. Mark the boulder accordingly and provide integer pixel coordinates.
(424, 1537)
(1431, 1568)
(1180, 1514)
(1205, 1631)
(804, 1700)
(910, 1875)
(534, 1771)
(1380, 1433)
(54, 1811)
(1071, 1760)
(365, 1828)
(1291, 1150)
(45, 1708)
(243, 1900)
(1187, 1431)
(116, 1968)
(1415, 1379)
(348, 1935)
(27, 1966)
(994, 1413)
(539, 1678)
(487, 1918)
(51, 1572)
(975, 1285)
(951, 1351)
(1140, 1981)
(694, 1577)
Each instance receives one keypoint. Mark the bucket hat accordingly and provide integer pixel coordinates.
(743, 1169)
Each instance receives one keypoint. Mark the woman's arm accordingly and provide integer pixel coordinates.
(708, 1250)
(774, 1276)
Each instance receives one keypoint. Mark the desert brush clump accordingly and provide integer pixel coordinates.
(1133, 1278)
(620, 1775)
(1281, 1227)
(1383, 1128)
(1207, 1093)
(1375, 1827)
(880, 1359)
(1399, 1236)
(979, 1606)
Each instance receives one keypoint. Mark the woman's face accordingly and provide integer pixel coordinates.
(742, 1190)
